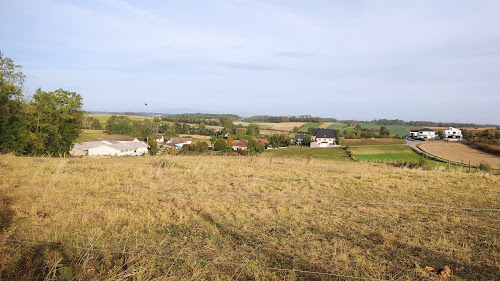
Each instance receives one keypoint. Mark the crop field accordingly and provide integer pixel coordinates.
(337, 126)
(285, 126)
(459, 152)
(94, 135)
(333, 153)
(390, 153)
(104, 117)
(377, 141)
(325, 125)
(225, 218)
(308, 125)
(194, 136)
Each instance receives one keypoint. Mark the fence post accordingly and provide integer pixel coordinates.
(469, 165)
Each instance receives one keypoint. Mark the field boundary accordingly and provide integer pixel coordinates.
(440, 159)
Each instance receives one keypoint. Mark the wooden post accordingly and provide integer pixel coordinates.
(449, 168)
(469, 165)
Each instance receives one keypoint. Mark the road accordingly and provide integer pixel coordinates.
(414, 143)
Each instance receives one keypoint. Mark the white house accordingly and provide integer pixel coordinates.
(106, 148)
(452, 134)
(159, 138)
(324, 138)
(423, 133)
(178, 143)
(239, 145)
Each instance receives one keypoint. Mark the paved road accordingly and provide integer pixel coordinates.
(414, 143)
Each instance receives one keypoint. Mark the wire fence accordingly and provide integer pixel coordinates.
(269, 197)
(172, 257)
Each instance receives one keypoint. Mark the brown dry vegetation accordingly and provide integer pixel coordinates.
(194, 136)
(459, 152)
(111, 206)
(325, 125)
(381, 141)
(287, 126)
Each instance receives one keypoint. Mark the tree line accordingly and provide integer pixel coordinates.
(46, 123)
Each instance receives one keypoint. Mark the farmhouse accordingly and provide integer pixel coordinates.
(452, 134)
(298, 139)
(159, 138)
(178, 142)
(239, 145)
(425, 133)
(263, 141)
(106, 148)
(324, 138)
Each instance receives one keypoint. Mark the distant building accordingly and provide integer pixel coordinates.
(107, 148)
(299, 139)
(239, 145)
(178, 143)
(452, 134)
(159, 138)
(324, 138)
(425, 133)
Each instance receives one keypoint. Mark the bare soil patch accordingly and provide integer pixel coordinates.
(459, 152)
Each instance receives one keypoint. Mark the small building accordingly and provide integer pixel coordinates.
(178, 143)
(424, 133)
(159, 138)
(324, 138)
(452, 134)
(299, 139)
(106, 148)
(263, 141)
(239, 145)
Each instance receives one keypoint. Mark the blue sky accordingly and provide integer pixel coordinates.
(412, 60)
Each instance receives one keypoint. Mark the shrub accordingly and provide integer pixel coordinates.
(485, 167)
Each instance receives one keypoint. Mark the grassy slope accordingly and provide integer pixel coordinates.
(104, 117)
(306, 152)
(390, 154)
(308, 125)
(90, 135)
(394, 129)
(362, 240)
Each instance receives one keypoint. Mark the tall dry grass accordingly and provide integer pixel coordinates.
(109, 203)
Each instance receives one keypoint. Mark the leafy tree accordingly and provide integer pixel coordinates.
(253, 129)
(306, 140)
(275, 140)
(119, 125)
(311, 131)
(240, 132)
(284, 140)
(255, 146)
(56, 120)
(220, 145)
(295, 129)
(358, 130)
(152, 145)
(384, 131)
(229, 141)
(201, 147)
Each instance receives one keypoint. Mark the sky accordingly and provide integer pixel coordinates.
(410, 60)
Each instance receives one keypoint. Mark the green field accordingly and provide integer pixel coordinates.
(391, 153)
(338, 126)
(104, 117)
(306, 152)
(94, 135)
(370, 141)
(308, 125)
(394, 129)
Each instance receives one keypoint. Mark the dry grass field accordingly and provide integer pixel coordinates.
(231, 218)
(287, 126)
(325, 125)
(381, 141)
(194, 136)
(459, 152)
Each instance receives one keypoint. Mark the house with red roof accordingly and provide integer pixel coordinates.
(239, 145)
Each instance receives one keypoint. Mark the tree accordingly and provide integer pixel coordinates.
(56, 120)
(306, 140)
(311, 131)
(201, 147)
(121, 125)
(295, 129)
(253, 129)
(255, 146)
(220, 145)
(229, 140)
(152, 145)
(384, 131)
(284, 139)
(275, 141)
(358, 130)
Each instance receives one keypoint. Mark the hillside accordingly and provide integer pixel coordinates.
(222, 218)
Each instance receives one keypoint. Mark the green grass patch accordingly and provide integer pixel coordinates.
(333, 153)
(88, 135)
(370, 141)
(392, 153)
(394, 129)
(308, 125)
(338, 126)
(104, 117)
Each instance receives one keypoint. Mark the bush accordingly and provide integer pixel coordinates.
(485, 167)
